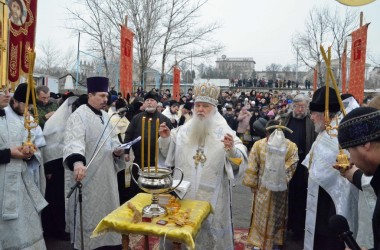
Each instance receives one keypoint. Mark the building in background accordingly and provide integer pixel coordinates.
(236, 67)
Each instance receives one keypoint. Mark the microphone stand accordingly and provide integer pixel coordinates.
(80, 215)
(79, 185)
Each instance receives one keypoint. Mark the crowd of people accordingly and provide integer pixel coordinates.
(270, 83)
(282, 145)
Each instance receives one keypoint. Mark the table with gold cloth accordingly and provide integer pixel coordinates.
(120, 221)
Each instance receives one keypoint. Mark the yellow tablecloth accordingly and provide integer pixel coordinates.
(120, 221)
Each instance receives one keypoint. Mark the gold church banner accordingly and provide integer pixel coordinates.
(3, 42)
(355, 2)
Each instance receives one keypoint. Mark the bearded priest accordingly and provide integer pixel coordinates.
(210, 155)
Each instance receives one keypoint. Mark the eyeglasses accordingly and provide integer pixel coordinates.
(302, 107)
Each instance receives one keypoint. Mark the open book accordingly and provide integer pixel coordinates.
(182, 189)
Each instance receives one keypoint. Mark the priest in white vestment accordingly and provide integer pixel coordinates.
(21, 188)
(328, 192)
(87, 128)
(210, 155)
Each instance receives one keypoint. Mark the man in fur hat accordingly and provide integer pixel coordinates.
(359, 133)
(328, 192)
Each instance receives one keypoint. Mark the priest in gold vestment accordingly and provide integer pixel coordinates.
(271, 164)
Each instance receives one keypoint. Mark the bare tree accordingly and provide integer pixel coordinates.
(273, 69)
(144, 19)
(49, 59)
(375, 60)
(161, 28)
(201, 69)
(307, 43)
(181, 33)
(68, 59)
(340, 27)
(86, 17)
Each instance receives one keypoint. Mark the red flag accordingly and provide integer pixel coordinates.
(315, 79)
(126, 61)
(357, 63)
(176, 83)
(344, 71)
(22, 29)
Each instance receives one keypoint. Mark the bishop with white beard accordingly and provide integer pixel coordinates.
(210, 155)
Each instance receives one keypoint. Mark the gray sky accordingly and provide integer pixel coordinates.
(261, 29)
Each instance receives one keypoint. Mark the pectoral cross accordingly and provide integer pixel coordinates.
(199, 157)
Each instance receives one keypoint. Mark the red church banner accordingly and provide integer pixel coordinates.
(357, 63)
(126, 61)
(22, 29)
(344, 72)
(176, 83)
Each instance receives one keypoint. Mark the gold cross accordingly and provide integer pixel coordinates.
(199, 157)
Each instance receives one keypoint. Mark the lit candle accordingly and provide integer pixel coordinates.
(156, 160)
(149, 139)
(142, 142)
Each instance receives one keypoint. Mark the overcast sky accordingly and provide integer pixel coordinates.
(261, 29)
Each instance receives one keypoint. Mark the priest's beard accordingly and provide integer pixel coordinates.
(150, 110)
(17, 108)
(319, 126)
(199, 129)
(299, 115)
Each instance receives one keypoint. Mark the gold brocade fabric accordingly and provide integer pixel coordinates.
(269, 208)
(120, 221)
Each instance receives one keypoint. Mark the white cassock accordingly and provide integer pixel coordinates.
(169, 114)
(100, 190)
(210, 181)
(21, 190)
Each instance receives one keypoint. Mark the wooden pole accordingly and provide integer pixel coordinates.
(361, 18)
(126, 21)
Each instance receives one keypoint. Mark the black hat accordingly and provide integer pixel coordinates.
(188, 106)
(259, 127)
(173, 103)
(83, 99)
(20, 93)
(120, 103)
(359, 126)
(97, 84)
(152, 95)
(318, 101)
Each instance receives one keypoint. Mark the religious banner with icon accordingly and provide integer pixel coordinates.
(357, 63)
(344, 70)
(355, 2)
(22, 29)
(3, 42)
(126, 61)
(176, 83)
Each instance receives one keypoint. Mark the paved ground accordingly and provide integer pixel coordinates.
(241, 210)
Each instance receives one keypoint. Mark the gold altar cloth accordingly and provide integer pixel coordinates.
(120, 221)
